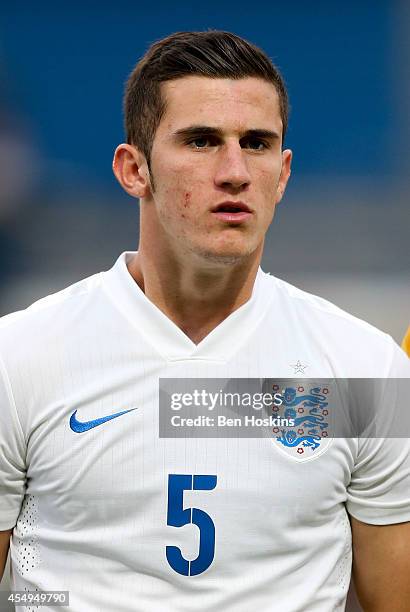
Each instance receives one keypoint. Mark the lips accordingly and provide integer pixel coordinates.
(233, 213)
(231, 207)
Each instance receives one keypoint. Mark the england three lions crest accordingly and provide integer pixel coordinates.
(305, 417)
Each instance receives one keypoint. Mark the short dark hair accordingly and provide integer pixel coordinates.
(213, 54)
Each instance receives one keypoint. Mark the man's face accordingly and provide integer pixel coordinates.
(217, 166)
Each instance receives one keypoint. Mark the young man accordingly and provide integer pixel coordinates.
(103, 507)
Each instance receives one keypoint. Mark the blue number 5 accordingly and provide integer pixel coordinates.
(177, 517)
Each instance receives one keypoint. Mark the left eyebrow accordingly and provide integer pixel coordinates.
(206, 130)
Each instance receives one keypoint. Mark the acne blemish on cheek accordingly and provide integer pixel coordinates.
(187, 199)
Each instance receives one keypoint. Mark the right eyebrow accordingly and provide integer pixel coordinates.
(206, 130)
(194, 130)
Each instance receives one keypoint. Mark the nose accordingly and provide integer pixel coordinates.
(232, 170)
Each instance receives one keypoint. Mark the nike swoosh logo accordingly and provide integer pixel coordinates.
(80, 427)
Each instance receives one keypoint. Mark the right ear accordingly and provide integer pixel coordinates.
(131, 170)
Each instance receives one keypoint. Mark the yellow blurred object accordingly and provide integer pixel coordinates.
(406, 342)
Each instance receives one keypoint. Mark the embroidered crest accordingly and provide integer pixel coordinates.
(306, 409)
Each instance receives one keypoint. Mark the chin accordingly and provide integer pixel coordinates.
(226, 256)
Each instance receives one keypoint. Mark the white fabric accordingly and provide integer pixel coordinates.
(91, 508)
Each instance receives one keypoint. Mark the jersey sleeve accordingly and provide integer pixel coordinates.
(12, 456)
(379, 490)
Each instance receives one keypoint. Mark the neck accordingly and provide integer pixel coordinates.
(196, 295)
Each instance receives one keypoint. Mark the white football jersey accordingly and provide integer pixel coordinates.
(126, 521)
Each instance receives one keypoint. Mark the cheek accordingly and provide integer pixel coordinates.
(186, 204)
(176, 203)
(187, 199)
(182, 182)
(268, 181)
(269, 176)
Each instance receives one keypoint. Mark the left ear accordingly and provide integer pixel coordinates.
(284, 174)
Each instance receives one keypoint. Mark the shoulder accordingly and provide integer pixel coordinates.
(56, 301)
(336, 333)
(315, 306)
(49, 317)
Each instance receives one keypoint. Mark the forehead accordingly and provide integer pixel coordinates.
(250, 102)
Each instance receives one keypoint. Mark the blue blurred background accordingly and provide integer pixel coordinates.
(342, 229)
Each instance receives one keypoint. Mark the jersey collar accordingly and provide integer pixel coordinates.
(166, 337)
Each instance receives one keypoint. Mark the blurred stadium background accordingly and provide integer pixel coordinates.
(341, 232)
